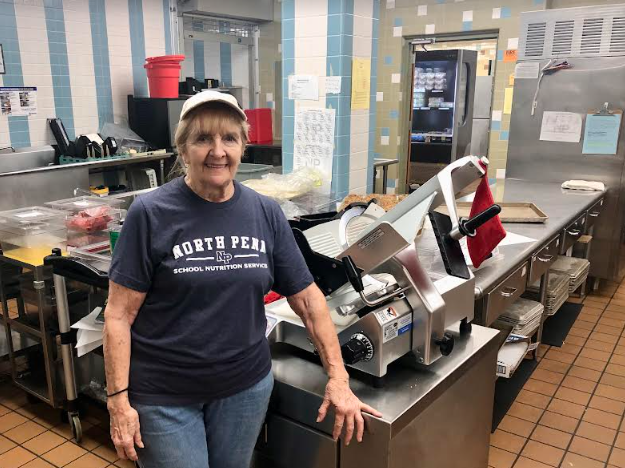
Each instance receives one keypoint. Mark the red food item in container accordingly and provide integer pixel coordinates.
(91, 219)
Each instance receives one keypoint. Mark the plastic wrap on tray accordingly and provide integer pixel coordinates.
(93, 219)
(287, 186)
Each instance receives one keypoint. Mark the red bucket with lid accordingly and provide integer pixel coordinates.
(163, 75)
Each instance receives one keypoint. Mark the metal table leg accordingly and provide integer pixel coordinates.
(542, 295)
(67, 356)
(384, 179)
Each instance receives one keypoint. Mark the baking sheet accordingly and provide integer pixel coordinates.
(511, 212)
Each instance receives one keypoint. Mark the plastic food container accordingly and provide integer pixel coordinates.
(91, 225)
(31, 242)
(33, 214)
(248, 171)
(77, 204)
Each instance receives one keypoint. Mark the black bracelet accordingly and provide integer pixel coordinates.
(117, 393)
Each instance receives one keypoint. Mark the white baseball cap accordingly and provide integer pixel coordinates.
(210, 96)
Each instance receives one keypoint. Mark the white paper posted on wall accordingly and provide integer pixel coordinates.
(561, 126)
(313, 142)
(304, 87)
(18, 101)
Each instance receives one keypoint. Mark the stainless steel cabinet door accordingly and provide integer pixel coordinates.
(286, 444)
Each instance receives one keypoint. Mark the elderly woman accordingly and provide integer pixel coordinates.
(187, 363)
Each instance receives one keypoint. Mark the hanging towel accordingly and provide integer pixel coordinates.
(489, 234)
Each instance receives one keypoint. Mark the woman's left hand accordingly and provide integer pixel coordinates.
(348, 409)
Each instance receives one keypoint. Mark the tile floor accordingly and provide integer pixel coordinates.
(570, 412)
(33, 436)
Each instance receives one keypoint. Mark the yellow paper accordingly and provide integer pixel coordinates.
(361, 82)
(511, 79)
(507, 101)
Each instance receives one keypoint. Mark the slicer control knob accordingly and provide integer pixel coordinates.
(446, 344)
(358, 348)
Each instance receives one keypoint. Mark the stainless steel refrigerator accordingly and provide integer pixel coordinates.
(442, 107)
(592, 41)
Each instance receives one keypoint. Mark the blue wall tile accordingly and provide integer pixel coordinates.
(503, 135)
(137, 47)
(101, 64)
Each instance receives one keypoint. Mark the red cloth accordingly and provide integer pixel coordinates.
(272, 297)
(489, 234)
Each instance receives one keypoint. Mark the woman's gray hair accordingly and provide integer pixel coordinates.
(205, 118)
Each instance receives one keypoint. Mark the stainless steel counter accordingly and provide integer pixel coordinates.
(562, 207)
(504, 278)
(430, 415)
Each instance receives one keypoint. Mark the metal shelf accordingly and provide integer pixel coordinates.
(35, 385)
(24, 327)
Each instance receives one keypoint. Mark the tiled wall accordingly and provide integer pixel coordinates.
(229, 63)
(402, 18)
(84, 57)
(321, 38)
(269, 56)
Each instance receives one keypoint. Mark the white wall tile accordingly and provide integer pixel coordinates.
(363, 8)
(29, 18)
(310, 47)
(358, 161)
(311, 66)
(357, 179)
(241, 71)
(313, 26)
(362, 46)
(362, 26)
(82, 78)
(305, 8)
(118, 32)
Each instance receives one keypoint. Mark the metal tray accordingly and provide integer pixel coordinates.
(511, 212)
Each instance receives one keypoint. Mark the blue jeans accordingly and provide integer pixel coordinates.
(219, 434)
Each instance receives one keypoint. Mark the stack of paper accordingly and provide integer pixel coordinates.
(89, 336)
(557, 292)
(575, 268)
(524, 315)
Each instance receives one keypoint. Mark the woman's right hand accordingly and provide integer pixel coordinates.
(125, 431)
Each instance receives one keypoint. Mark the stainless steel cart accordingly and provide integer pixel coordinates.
(71, 268)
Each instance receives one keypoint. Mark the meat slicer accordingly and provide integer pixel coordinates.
(384, 302)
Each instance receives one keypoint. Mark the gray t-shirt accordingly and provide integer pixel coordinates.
(205, 267)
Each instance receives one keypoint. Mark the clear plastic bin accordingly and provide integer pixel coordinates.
(31, 242)
(84, 202)
(252, 171)
(33, 215)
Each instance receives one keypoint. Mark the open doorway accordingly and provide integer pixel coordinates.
(431, 148)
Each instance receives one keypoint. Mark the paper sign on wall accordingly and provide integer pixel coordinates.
(333, 84)
(601, 133)
(510, 55)
(313, 142)
(507, 100)
(361, 83)
(304, 87)
(18, 101)
(526, 71)
(561, 126)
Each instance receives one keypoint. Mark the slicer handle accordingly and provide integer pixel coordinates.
(353, 275)
(471, 225)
